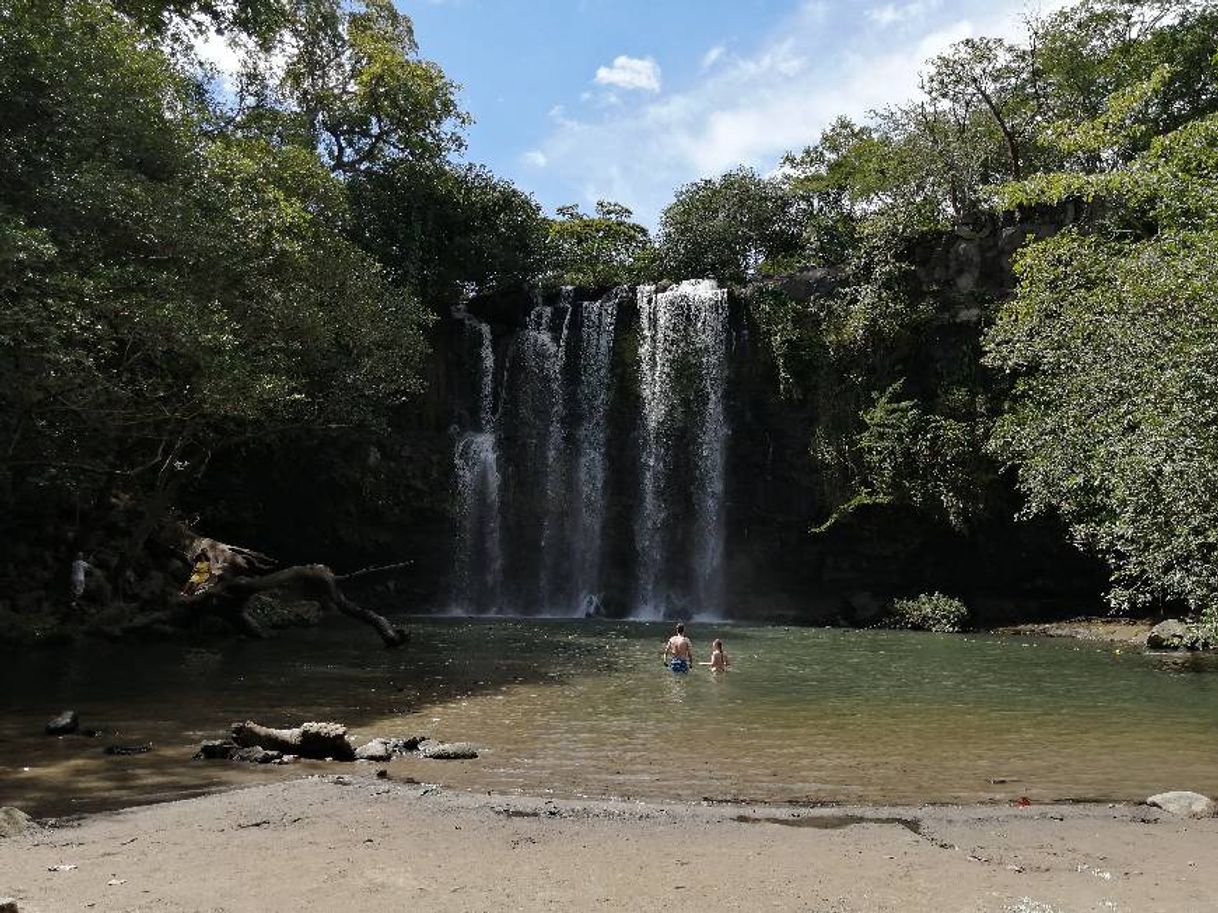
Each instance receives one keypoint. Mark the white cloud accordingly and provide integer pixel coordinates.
(633, 73)
(713, 56)
(535, 158)
(752, 108)
(901, 13)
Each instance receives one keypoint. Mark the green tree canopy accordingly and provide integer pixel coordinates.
(600, 250)
(726, 227)
(445, 230)
(165, 289)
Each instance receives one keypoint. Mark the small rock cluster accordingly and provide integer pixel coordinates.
(379, 750)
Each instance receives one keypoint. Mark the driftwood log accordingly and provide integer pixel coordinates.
(235, 575)
(309, 740)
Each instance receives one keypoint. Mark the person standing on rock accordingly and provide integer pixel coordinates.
(679, 652)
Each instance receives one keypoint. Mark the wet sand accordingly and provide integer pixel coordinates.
(348, 843)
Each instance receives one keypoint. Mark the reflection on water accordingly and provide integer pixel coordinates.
(586, 708)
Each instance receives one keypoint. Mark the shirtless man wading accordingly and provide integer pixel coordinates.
(681, 651)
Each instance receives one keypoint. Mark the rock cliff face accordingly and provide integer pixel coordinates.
(552, 468)
(773, 490)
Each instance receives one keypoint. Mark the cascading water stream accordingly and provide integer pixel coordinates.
(598, 323)
(536, 535)
(554, 536)
(476, 465)
(682, 371)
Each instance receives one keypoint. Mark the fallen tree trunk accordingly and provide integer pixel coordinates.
(309, 740)
(228, 597)
(227, 577)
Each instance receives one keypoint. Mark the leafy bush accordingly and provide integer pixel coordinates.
(1203, 632)
(930, 612)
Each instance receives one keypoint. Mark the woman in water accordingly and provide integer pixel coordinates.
(718, 661)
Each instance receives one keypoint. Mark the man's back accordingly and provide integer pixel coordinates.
(679, 645)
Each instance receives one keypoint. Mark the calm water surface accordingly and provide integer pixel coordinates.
(586, 709)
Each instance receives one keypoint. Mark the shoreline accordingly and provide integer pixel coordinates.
(1092, 628)
(342, 841)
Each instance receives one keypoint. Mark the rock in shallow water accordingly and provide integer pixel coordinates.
(256, 755)
(13, 822)
(1184, 804)
(8, 905)
(216, 750)
(448, 751)
(64, 724)
(376, 750)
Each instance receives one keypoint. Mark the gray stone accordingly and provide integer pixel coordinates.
(256, 755)
(376, 750)
(448, 751)
(8, 905)
(216, 750)
(64, 724)
(1168, 635)
(13, 822)
(1184, 804)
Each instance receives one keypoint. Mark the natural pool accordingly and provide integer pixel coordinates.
(585, 708)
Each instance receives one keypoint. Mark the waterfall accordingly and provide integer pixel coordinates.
(555, 534)
(535, 531)
(598, 322)
(683, 430)
(476, 464)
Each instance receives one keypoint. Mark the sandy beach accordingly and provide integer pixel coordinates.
(346, 843)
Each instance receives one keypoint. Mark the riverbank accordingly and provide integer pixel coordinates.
(345, 843)
(1125, 631)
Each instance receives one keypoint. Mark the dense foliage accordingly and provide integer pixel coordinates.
(193, 265)
(1114, 340)
(1099, 382)
(600, 250)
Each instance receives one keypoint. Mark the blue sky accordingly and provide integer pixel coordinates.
(580, 100)
(577, 100)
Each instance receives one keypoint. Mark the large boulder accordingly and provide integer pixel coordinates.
(8, 905)
(64, 724)
(1169, 635)
(13, 822)
(1184, 804)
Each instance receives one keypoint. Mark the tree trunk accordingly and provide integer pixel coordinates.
(235, 575)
